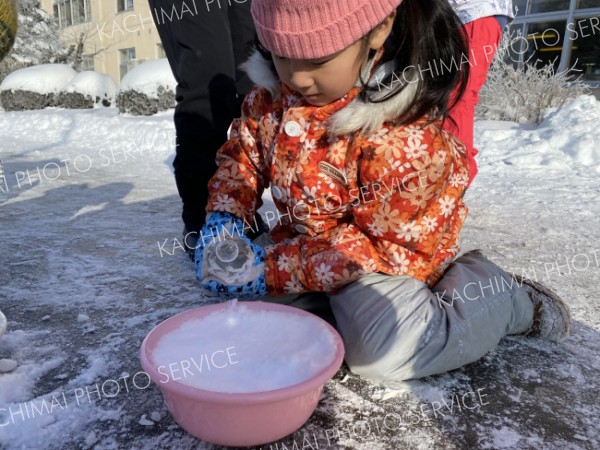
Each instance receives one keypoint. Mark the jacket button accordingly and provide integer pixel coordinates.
(301, 228)
(292, 129)
(276, 192)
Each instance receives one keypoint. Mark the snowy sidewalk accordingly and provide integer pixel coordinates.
(92, 260)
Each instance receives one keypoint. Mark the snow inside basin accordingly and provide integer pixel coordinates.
(242, 374)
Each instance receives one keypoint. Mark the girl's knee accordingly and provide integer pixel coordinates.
(375, 372)
(367, 360)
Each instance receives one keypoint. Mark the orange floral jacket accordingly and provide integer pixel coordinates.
(356, 192)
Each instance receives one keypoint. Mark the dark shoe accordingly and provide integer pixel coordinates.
(190, 240)
(551, 316)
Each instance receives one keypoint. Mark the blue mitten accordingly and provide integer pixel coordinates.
(222, 273)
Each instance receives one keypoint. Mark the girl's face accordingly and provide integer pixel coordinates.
(325, 80)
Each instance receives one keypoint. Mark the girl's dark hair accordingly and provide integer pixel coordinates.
(264, 52)
(429, 48)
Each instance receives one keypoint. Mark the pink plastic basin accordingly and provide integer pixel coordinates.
(238, 419)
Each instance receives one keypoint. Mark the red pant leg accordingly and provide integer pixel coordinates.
(483, 37)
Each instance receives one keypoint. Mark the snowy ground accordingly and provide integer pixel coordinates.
(91, 261)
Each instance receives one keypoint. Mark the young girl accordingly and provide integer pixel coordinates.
(345, 127)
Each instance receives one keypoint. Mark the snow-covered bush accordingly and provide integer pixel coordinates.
(147, 89)
(522, 95)
(87, 90)
(35, 87)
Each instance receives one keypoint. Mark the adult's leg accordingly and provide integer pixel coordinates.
(199, 47)
(397, 328)
(483, 36)
(242, 36)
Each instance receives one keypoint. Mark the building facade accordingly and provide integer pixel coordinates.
(117, 34)
(565, 33)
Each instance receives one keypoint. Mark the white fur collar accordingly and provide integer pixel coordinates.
(367, 118)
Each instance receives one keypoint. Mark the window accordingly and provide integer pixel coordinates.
(125, 56)
(66, 19)
(80, 11)
(72, 12)
(543, 44)
(541, 6)
(585, 50)
(588, 3)
(124, 5)
(87, 62)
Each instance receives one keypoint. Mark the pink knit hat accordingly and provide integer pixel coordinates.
(307, 29)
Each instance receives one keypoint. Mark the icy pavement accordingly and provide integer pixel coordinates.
(91, 260)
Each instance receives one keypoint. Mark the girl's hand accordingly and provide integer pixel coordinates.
(235, 275)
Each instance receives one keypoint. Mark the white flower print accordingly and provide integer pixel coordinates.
(337, 152)
(386, 217)
(280, 172)
(430, 223)
(251, 96)
(369, 264)
(401, 262)
(291, 99)
(231, 171)
(285, 262)
(345, 277)
(223, 203)
(409, 231)
(247, 137)
(324, 274)
(400, 167)
(456, 180)
(309, 194)
(327, 180)
(310, 145)
(270, 124)
(415, 148)
(379, 137)
(292, 286)
(414, 132)
(447, 204)
(376, 229)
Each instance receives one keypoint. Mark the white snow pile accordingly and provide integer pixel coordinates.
(150, 78)
(35, 87)
(42, 79)
(45, 85)
(576, 130)
(567, 138)
(147, 89)
(93, 85)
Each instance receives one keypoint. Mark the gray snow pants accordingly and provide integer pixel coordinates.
(398, 328)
